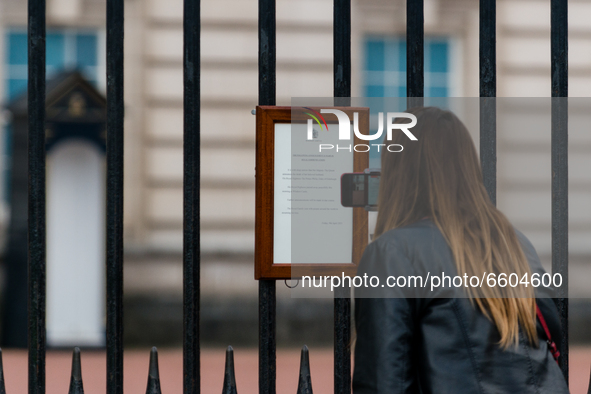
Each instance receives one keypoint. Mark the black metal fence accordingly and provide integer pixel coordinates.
(191, 261)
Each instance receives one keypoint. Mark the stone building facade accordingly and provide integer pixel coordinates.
(229, 72)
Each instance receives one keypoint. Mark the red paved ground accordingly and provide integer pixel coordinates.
(136, 370)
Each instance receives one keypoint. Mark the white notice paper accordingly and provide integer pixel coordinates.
(310, 224)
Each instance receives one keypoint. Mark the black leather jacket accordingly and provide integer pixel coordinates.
(437, 344)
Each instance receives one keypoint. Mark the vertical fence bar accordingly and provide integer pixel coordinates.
(342, 337)
(114, 196)
(267, 52)
(191, 196)
(36, 220)
(488, 92)
(267, 342)
(488, 53)
(267, 288)
(342, 50)
(415, 51)
(342, 89)
(559, 49)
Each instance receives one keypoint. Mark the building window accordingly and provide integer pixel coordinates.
(385, 67)
(385, 73)
(66, 50)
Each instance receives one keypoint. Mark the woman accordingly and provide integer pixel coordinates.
(436, 219)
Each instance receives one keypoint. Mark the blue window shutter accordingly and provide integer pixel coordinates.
(375, 55)
(439, 56)
(86, 49)
(17, 48)
(55, 52)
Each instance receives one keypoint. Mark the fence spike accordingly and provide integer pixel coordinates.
(76, 386)
(229, 378)
(305, 380)
(153, 374)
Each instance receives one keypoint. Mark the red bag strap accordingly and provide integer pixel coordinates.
(551, 343)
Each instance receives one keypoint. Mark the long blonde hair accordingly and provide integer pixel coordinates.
(439, 177)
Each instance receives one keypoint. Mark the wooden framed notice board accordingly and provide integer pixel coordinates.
(301, 153)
